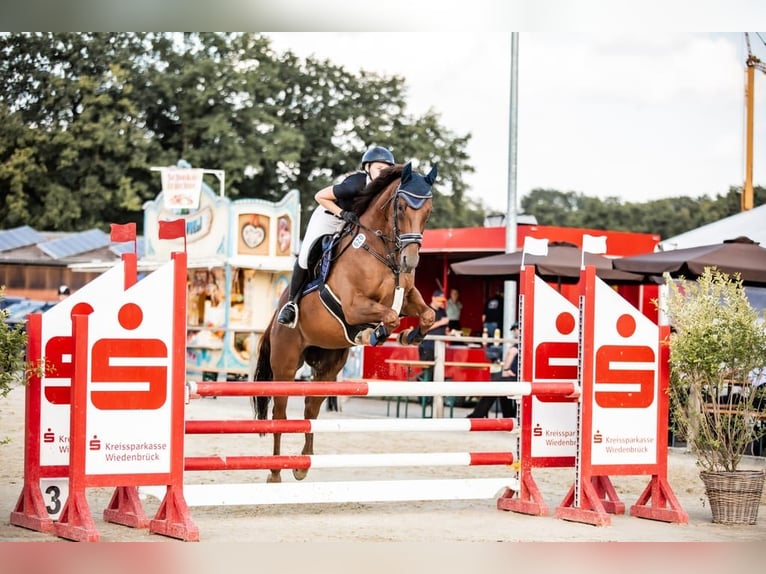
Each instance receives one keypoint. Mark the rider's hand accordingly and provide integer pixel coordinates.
(349, 216)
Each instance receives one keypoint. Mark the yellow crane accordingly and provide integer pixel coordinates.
(751, 64)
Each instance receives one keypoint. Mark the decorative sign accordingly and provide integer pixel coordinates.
(253, 234)
(556, 345)
(181, 187)
(284, 235)
(623, 382)
(57, 345)
(130, 368)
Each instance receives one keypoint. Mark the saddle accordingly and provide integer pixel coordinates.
(321, 258)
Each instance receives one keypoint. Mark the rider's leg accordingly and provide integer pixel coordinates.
(288, 315)
(321, 223)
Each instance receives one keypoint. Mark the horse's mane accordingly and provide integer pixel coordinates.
(363, 199)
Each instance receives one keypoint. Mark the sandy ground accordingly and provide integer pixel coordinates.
(430, 521)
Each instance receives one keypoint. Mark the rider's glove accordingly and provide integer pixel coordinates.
(349, 216)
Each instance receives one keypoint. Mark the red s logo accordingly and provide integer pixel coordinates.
(154, 376)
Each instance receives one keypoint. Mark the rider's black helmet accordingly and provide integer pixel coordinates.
(378, 153)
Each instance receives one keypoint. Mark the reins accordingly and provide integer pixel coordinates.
(393, 245)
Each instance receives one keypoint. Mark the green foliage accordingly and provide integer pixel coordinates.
(665, 217)
(83, 116)
(717, 343)
(12, 342)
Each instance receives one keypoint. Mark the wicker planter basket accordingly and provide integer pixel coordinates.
(734, 496)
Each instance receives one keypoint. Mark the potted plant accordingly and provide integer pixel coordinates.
(12, 342)
(717, 352)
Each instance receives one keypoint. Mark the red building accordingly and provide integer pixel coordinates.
(442, 247)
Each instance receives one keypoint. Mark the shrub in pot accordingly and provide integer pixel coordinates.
(717, 349)
(12, 342)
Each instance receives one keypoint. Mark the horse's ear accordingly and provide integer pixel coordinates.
(431, 177)
(407, 172)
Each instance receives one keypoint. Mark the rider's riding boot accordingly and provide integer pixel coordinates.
(288, 315)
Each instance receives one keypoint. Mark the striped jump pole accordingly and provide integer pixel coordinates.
(377, 460)
(380, 389)
(348, 425)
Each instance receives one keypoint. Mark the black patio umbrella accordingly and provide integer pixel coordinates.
(561, 264)
(741, 255)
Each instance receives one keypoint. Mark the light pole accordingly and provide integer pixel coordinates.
(509, 312)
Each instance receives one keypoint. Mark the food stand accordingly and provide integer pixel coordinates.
(240, 257)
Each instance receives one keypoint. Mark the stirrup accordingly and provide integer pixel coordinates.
(288, 315)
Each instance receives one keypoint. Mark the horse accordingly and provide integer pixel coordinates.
(359, 299)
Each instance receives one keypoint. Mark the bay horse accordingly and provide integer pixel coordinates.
(370, 282)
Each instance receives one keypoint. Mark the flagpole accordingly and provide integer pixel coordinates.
(509, 312)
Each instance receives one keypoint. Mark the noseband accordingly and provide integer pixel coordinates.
(415, 201)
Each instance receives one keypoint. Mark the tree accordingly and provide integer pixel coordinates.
(70, 133)
(84, 117)
(666, 217)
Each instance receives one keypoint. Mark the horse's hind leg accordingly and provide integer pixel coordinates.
(326, 364)
(279, 412)
(311, 410)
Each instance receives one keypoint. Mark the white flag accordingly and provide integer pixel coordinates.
(534, 246)
(593, 244)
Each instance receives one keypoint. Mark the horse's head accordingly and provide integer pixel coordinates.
(397, 205)
(412, 208)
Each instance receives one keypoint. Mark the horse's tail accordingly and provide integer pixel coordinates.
(263, 372)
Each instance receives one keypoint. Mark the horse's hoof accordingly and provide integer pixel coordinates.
(273, 478)
(300, 473)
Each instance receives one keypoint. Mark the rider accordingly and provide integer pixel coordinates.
(334, 203)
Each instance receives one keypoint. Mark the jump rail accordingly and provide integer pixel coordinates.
(380, 389)
(377, 460)
(347, 425)
(401, 490)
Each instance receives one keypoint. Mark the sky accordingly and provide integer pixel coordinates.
(637, 116)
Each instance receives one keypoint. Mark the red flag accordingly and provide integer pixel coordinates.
(122, 233)
(173, 229)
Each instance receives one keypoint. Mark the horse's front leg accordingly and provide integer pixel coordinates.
(369, 311)
(310, 412)
(415, 306)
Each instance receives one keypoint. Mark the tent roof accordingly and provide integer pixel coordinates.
(750, 223)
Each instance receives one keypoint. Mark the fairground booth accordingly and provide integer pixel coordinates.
(240, 256)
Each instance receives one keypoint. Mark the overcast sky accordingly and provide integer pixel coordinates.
(636, 116)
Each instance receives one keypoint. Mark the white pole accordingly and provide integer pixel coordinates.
(509, 313)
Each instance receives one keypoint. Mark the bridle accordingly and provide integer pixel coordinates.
(395, 244)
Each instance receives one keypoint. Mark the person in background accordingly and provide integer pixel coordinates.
(64, 292)
(334, 201)
(510, 372)
(426, 348)
(454, 308)
(492, 318)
